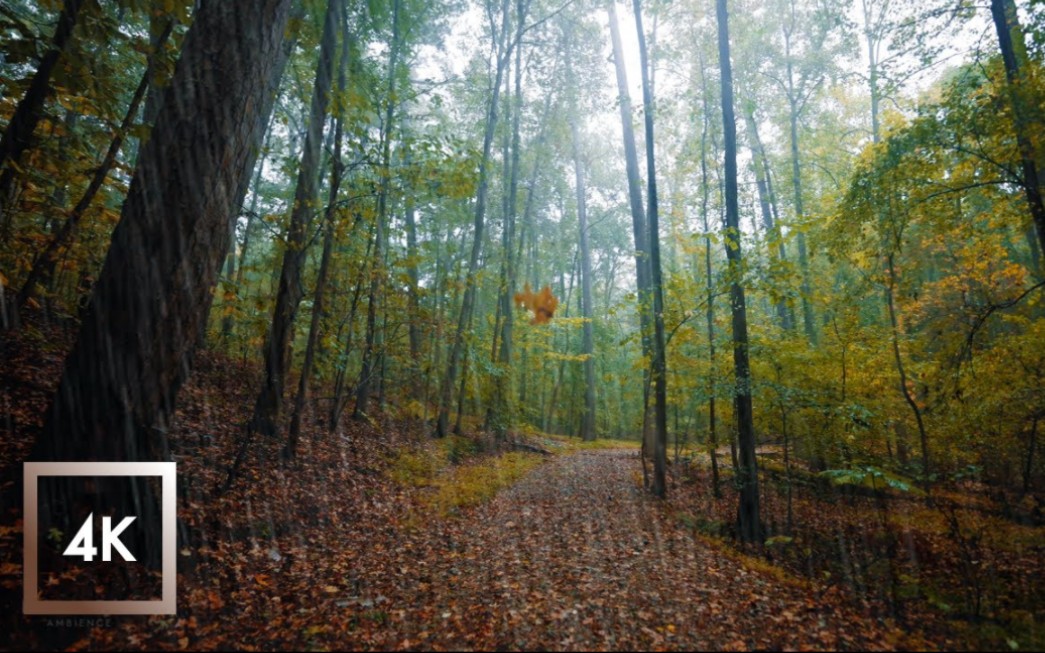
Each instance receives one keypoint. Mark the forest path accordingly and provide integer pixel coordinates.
(577, 556)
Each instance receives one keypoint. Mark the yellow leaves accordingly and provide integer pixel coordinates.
(573, 358)
(542, 304)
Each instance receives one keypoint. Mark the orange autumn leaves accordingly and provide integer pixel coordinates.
(542, 303)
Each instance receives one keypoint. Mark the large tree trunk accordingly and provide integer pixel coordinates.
(18, 135)
(1006, 23)
(269, 403)
(748, 510)
(117, 394)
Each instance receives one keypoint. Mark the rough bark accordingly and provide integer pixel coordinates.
(116, 397)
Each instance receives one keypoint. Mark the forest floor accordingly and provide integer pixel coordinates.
(376, 537)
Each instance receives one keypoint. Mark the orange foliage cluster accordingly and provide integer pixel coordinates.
(542, 303)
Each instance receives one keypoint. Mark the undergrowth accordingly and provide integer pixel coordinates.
(456, 475)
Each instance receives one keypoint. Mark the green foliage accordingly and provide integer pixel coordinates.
(870, 477)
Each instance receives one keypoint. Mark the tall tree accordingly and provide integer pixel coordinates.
(368, 368)
(659, 362)
(748, 509)
(709, 283)
(501, 411)
(587, 427)
(135, 347)
(18, 134)
(808, 50)
(638, 216)
(768, 206)
(43, 265)
(269, 403)
(337, 172)
(502, 49)
(1021, 96)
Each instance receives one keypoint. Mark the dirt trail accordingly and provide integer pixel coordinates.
(577, 556)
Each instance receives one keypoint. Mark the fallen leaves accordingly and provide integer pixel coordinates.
(333, 552)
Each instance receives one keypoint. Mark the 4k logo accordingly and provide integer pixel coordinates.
(91, 543)
(83, 544)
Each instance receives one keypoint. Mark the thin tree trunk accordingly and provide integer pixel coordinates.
(525, 229)
(269, 403)
(709, 285)
(567, 292)
(872, 70)
(18, 134)
(413, 293)
(367, 368)
(1006, 23)
(659, 363)
(901, 371)
(248, 229)
(767, 203)
(43, 267)
(638, 218)
(502, 51)
(587, 424)
(803, 254)
(337, 169)
(340, 379)
(500, 410)
(748, 509)
(1028, 467)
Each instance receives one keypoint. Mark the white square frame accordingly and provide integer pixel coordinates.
(32, 604)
